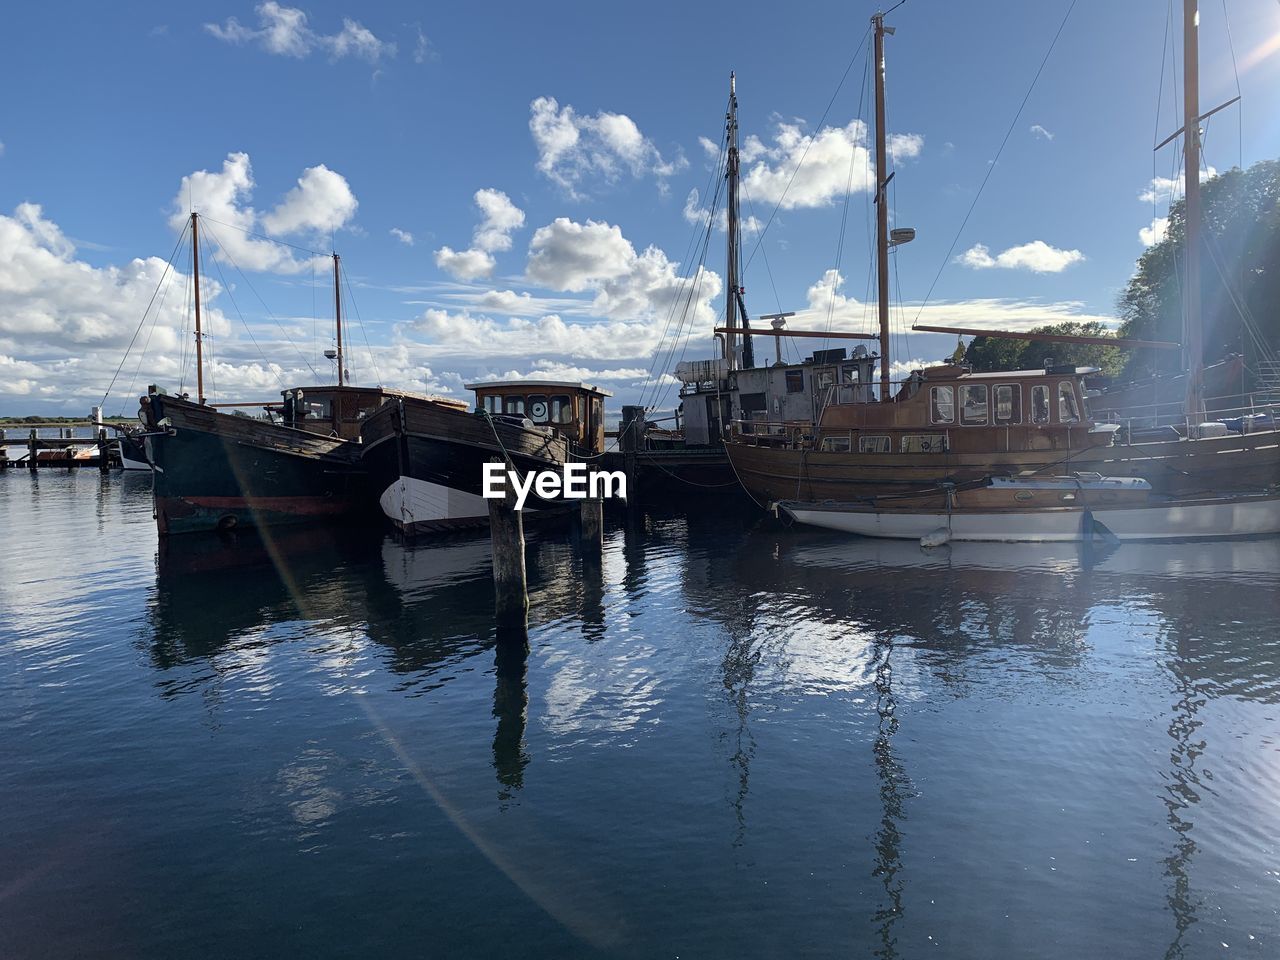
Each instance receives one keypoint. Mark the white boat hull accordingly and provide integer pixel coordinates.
(1181, 520)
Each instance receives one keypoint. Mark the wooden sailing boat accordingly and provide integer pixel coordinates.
(946, 423)
(217, 471)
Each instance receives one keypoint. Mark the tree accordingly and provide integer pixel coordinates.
(1239, 274)
(999, 353)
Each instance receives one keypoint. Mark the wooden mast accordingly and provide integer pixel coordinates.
(1191, 177)
(195, 272)
(337, 316)
(882, 206)
(731, 229)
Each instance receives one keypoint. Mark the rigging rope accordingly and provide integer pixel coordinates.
(992, 166)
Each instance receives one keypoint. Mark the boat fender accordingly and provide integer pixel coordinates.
(936, 538)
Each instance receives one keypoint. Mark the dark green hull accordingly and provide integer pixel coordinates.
(217, 472)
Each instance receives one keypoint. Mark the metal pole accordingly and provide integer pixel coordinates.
(337, 317)
(195, 271)
(1191, 172)
(882, 210)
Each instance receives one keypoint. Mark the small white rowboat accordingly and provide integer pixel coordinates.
(1053, 509)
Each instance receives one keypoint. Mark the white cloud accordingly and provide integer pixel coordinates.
(811, 170)
(492, 235)
(422, 51)
(404, 236)
(322, 202)
(465, 264)
(572, 146)
(1040, 132)
(693, 212)
(1036, 256)
(1153, 234)
(1167, 190)
(1, 148)
(284, 31)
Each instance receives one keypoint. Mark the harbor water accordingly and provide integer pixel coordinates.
(728, 739)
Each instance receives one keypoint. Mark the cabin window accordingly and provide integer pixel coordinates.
(1040, 404)
(561, 409)
(513, 405)
(823, 380)
(849, 373)
(924, 443)
(942, 405)
(316, 409)
(1008, 402)
(539, 412)
(835, 445)
(973, 400)
(875, 445)
(597, 414)
(1068, 412)
(795, 381)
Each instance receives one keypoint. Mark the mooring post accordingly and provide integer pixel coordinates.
(630, 441)
(506, 533)
(32, 446)
(104, 449)
(591, 513)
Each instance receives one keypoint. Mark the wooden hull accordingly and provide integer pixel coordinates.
(426, 463)
(1174, 467)
(214, 471)
(677, 472)
(1176, 520)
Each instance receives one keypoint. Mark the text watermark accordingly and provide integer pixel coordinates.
(574, 481)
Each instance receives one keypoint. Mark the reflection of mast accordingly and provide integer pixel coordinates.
(1180, 794)
(739, 668)
(894, 787)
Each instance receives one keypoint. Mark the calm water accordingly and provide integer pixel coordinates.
(733, 740)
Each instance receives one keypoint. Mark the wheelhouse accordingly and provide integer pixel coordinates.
(572, 409)
(336, 411)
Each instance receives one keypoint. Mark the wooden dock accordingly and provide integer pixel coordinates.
(66, 451)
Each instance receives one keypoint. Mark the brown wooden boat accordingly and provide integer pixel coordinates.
(950, 424)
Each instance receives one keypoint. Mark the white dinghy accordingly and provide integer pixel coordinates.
(1051, 509)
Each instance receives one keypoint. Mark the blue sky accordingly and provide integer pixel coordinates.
(332, 123)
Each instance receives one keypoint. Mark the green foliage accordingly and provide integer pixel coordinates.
(1240, 273)
(999, 353)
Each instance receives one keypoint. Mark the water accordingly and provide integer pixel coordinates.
(735, 740)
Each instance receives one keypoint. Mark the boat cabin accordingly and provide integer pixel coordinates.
(335, 411)
(774, 398)
(573, 410)
(949, 408)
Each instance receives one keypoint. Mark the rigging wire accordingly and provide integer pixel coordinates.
(254, 291)
(1239, 93)
(142, 354)
(805, 153)
(992, 166)
(351, 298)
(227, 287)
(163, 275)
(260, 236)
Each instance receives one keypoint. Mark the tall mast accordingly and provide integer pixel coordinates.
(1191, 176)
(731, 217)
(195, 271)
(882, 207)
(337, 315)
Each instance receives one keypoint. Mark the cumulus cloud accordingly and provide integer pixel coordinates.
(321, 202)
(799, 169)
(500, 218)
(283, 31)
(693, 212)
(1153, 234)
(1040, 132)
(404, 236)
(573, 146)
(1170, 189)
(1036, 256)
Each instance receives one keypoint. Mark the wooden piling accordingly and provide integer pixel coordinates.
(32, 446)
(104, 451)
(510, 591)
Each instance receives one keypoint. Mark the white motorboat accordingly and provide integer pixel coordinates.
(1050, 509)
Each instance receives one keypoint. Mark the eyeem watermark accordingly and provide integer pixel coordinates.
(574, 482)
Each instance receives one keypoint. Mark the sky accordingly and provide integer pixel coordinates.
(525, 189)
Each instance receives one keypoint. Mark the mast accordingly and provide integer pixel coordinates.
(1191, 193)
(882, 207)
(195, 271)
(731, 230)
(337, 315)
